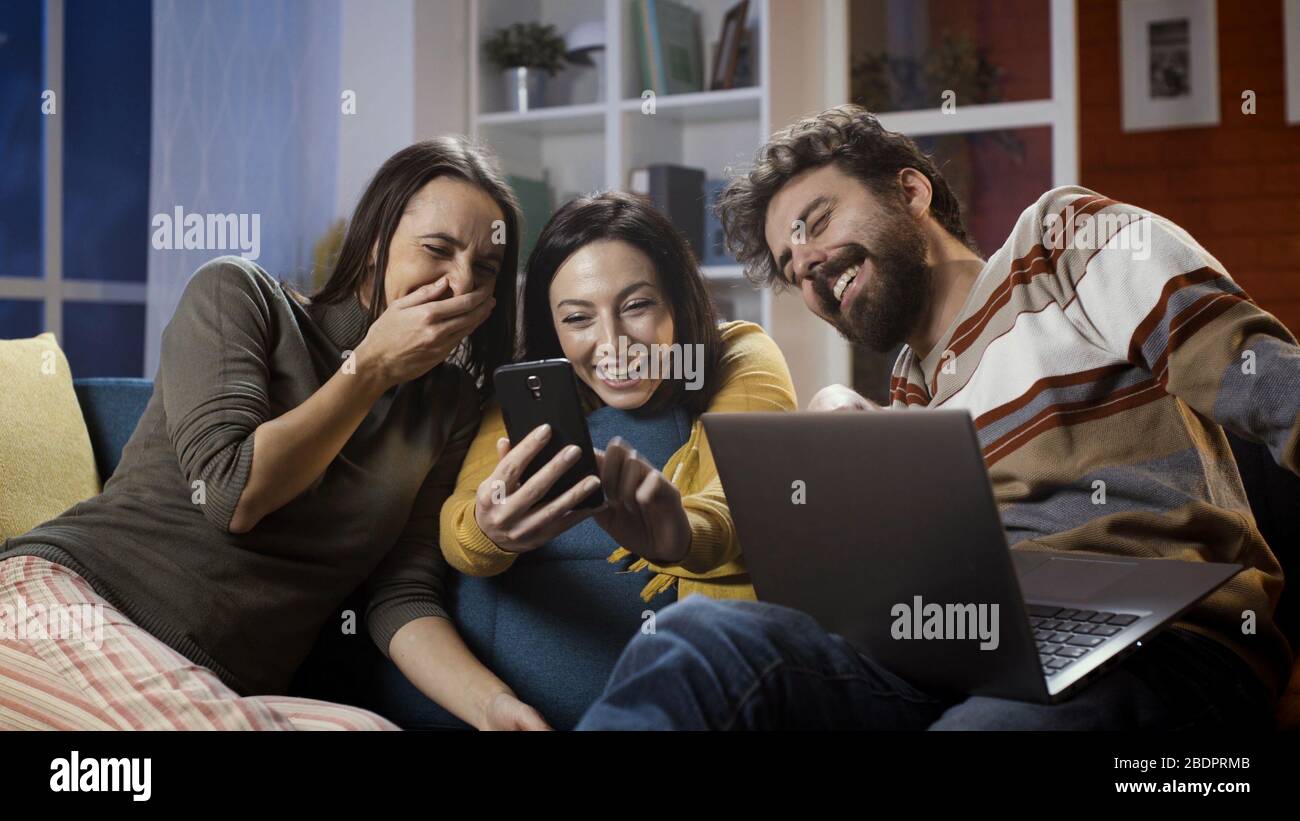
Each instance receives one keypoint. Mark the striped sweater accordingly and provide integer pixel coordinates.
(1101, 353)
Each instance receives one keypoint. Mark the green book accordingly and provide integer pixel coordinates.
(641, 29)
(670, 46)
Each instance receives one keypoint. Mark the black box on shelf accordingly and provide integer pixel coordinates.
(677, 191)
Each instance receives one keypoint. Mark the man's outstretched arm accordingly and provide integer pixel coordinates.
(1159, 299)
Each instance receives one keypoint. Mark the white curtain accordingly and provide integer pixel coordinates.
(246, 113)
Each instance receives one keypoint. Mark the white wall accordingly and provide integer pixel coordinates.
(816, 353)
(377, 55)
(441, 67)
(406, 61)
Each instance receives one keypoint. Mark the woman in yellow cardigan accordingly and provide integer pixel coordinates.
(610, 276)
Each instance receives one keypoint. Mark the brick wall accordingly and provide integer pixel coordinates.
(1235, 187)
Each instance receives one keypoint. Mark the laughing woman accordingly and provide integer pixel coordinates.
(292, 450)
(610, 272)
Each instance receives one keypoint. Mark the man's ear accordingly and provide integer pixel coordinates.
(916, 191)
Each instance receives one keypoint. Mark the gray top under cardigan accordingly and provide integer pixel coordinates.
(239, 351)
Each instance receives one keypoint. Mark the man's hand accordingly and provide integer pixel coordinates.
(840, 398)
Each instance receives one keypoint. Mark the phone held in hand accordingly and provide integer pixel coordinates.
(546, 392)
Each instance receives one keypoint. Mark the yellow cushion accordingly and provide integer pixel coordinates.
(46, 462)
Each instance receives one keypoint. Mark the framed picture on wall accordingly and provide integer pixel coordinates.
(1169, 51)
(1291, 42)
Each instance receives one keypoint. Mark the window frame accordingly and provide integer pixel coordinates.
(49, 285)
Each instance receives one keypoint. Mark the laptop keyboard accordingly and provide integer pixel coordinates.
(1064, 635)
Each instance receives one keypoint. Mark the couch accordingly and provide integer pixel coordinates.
(533, 625)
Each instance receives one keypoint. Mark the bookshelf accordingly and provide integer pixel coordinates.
(586, 143)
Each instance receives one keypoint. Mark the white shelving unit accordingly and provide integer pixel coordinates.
(584, 144)
(587, 143)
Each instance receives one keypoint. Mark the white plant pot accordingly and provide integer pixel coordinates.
(523, 88)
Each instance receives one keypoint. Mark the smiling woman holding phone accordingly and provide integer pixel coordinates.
(293, 449)
(611, 283)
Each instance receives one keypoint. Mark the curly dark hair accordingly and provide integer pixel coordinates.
(853, 139)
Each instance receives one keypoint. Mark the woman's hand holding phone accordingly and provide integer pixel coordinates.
(508, 512)
(644, 512)
(419, 331)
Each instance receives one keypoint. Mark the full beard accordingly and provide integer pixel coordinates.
(893, 300)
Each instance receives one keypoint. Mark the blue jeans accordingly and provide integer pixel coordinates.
(728, 665)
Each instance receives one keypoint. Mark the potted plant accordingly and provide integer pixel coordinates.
(526, 53)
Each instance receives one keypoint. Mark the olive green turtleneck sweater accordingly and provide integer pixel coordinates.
(239, 351)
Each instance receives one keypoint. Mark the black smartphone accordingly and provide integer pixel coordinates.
(546, 392)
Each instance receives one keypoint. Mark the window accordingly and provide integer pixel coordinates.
(75, 82)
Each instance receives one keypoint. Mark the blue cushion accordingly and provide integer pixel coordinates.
(554, 624)
(111, 407)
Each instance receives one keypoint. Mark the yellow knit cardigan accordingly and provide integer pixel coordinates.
(754, 378)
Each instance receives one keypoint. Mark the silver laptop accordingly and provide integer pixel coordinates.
(883, 527)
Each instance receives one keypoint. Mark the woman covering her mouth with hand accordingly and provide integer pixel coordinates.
(294, 449)
(611, 274)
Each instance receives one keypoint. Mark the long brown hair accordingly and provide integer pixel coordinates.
(378, 213)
